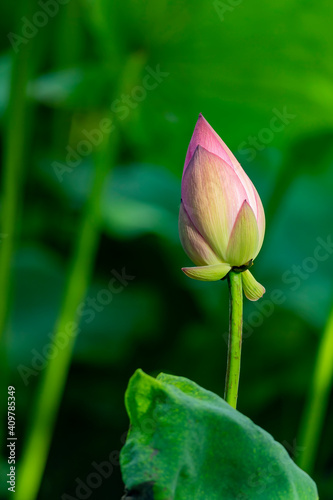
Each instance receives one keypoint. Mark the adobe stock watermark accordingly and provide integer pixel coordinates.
(87, 310)
(121, 107)
(103, 470)
(30, 27)
(279, 121)
(223, 7)
(293, 277)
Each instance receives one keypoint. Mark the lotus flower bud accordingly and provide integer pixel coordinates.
(221, 220)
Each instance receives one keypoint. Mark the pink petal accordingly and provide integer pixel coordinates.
(205, 136)
(193, 243)
(251, 191)
(212, 195)
(260, 221)
(244, 238)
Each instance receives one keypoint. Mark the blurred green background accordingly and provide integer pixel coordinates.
(95, 123)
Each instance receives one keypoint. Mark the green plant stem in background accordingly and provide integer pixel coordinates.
(316, 405)
(235, 338)
(52, 385)
(14, 155)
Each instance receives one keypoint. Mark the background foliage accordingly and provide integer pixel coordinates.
(241, 66)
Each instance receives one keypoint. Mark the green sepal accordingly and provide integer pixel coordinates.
(252, 288)
(214, 272)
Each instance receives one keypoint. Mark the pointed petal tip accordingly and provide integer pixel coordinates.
(243, 241)
(199, 149)
(246, 205)
(205, 135)
(202, 123)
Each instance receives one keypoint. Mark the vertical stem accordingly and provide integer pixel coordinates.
(16, 151)
(54, 378)
(235, 338)
(317, 401)
(14, 154)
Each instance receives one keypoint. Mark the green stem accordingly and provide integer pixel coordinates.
(16, 151)
(235, 338)
(52, 385)
(316, 405)
(14, 155)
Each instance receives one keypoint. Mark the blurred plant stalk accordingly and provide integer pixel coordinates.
(51, 388)
(13, 161)
(317, 402)
(16, 139)
(48, 399)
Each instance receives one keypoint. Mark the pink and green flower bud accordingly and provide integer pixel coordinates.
(222, 220)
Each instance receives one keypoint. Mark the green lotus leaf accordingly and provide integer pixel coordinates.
(186, 443)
